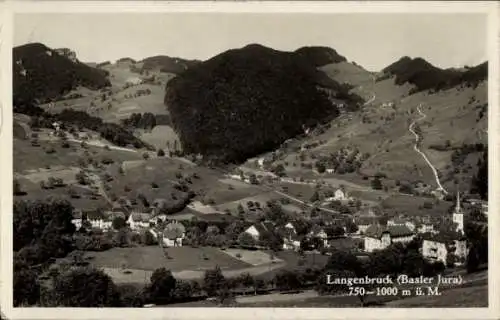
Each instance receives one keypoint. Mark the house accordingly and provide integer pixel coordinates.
(173, 234)
(291, 227)
(426, 228)
(258, 229)
(341, 195)
(99, 220)
(138, 221)
(378, 237)
(330, 170)
(363, 223)
(320, 233)
(77, 219)
(458, 215)
(437, 248)
(401, 222)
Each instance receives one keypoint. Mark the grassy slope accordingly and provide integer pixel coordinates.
(450, 116)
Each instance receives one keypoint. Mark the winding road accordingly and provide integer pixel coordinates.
(415, 147)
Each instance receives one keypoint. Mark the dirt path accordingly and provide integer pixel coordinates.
(415, 147)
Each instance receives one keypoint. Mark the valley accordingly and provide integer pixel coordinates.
(261, 166)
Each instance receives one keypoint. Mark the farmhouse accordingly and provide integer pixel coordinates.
(437, 248)
(138, 221)
(99, 220)
(378, 237)
(258, 229)
(173, 234)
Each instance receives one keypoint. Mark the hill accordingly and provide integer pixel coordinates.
(320, 56)
(247, 101)
(168, 64)
(425, 76)
(44, 74)
(376, 139)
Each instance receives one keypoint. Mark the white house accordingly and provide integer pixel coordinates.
(458, 215)
(138, 221)
(291, 227)
(401, 222)
(77, 219)
(256, 230)
(99, 220)
(330, 170)
(173, 234)
(426, 228)
(340, 195)
(378, 237)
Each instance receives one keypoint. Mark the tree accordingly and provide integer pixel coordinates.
(26, 286)
(279, 170)
(162, 286)
(147, 238)
(472, 263)
(85, 287)
(214, 281)
(119, 223)
(376, 183)
(183, 290)
(288, 280)
(17, 188)
(314, 197)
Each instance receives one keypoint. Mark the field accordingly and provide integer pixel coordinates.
(151, 258)
(29, 158)
(414, 206)
(252, 257)
(160, 137)
(139, 175)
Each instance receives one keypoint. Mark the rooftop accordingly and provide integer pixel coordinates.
(376, 231)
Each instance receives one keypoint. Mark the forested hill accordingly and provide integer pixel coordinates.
(44, 74)
(247, 101)
(168, 64)
(425, 76)
(320, 56)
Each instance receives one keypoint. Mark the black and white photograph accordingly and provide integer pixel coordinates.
(258, 159)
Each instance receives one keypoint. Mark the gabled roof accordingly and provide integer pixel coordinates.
(376, 231)
(95, 215)
(264, 227)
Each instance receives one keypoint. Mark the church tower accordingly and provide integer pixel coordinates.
(458, 215)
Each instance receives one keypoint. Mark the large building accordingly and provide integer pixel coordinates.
(378, 237)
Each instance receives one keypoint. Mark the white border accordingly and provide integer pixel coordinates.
(9, 7)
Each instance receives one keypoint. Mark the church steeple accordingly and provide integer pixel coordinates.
(457, 205)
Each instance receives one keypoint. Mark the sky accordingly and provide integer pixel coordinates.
(373, 40)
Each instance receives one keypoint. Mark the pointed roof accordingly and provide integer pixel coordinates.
(458, 208)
